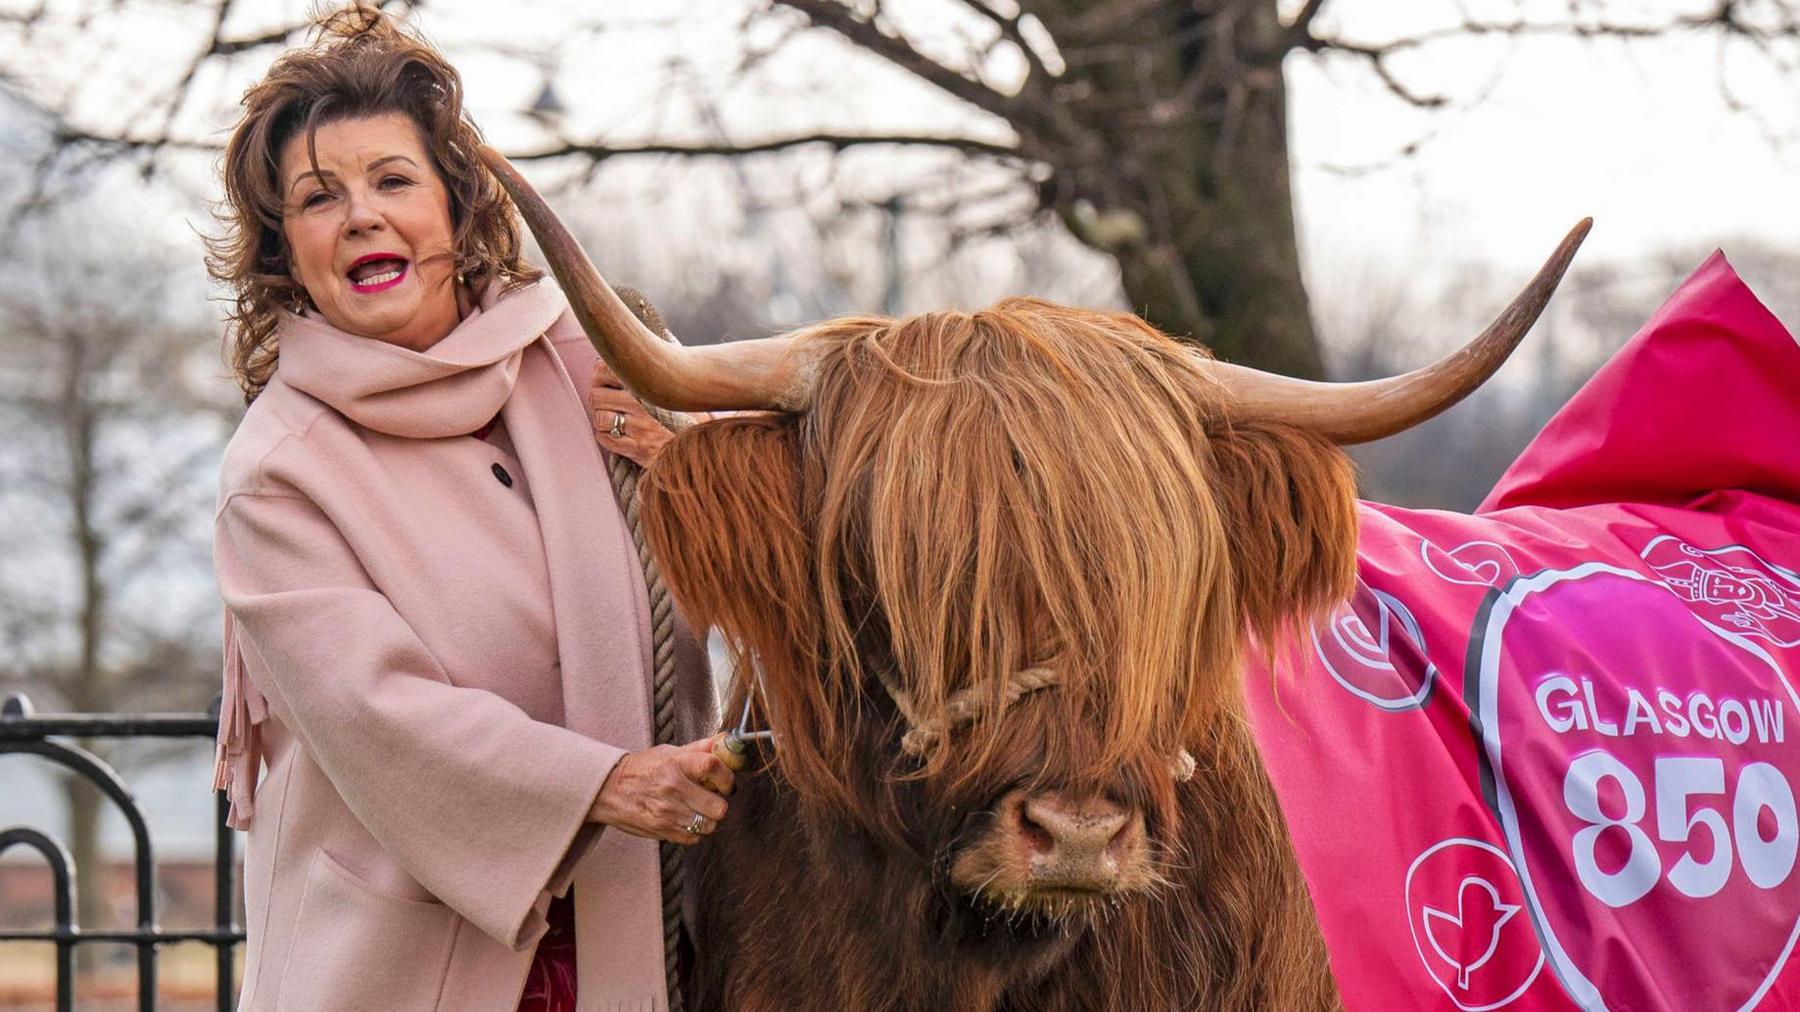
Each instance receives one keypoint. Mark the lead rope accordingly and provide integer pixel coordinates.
(624, 474)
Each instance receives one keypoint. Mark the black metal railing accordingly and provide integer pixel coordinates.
(21, 731)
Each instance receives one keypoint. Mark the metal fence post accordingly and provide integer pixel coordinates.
(23, 731)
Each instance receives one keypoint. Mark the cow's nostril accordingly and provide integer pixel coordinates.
(1040, 841)
(1126, 839)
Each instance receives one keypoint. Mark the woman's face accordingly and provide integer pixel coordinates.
(369, 232)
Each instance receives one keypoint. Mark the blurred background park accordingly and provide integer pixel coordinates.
(1336, 188)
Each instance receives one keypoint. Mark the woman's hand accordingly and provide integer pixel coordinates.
(621, 424)
(657, 792)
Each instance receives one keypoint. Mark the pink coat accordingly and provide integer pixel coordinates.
(437, 669)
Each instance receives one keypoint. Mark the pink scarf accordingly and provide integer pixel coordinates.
(453, 389)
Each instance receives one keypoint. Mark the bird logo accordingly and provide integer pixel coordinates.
(1473, 929)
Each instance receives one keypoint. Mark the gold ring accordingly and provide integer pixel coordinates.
(618, 425)
(696, 825)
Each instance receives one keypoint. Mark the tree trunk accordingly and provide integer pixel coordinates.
(1181, 172)
(1230, 276)
(92, 911)
(87, 690)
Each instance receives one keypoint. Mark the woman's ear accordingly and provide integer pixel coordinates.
(1288, 500)
(721, 508)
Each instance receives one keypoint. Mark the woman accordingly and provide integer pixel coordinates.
(437, 644)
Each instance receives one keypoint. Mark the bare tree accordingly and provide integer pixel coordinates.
(1154, 131)
(114, 412)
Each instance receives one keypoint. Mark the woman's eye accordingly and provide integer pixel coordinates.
(395, 182)
(315, 198)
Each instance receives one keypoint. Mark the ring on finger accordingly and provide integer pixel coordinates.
(618, 425)
(696, 825)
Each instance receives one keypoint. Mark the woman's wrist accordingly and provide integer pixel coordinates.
(600, 809)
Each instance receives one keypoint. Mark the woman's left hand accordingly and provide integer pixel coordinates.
(621, 424)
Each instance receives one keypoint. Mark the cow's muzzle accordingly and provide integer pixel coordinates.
(1048, 849)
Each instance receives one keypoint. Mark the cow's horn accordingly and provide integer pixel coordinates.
(1359, 412)
(770, 373)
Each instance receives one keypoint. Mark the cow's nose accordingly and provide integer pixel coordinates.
(1080, 842)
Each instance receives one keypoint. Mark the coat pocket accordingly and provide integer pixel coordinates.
(354, 947)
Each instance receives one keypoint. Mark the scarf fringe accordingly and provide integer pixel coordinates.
(237, 761)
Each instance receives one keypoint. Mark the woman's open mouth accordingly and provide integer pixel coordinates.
(377, 272)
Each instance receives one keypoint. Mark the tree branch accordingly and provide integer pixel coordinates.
(1727, 17)
(65, 136)
(1304, 18)
(220, 46)
(837, 142)
(1377, 59)
(866, 35)
(1300, 29)
(1724, 18)
(1008, 25)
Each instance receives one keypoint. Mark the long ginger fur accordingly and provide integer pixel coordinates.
(969, 495)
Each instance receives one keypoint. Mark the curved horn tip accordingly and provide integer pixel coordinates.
(1361, 412)
(1574, 239)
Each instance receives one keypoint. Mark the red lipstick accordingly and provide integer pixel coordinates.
(388, 278)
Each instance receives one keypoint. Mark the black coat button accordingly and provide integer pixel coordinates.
(500, 473)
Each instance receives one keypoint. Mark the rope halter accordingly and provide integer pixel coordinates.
(966, 705)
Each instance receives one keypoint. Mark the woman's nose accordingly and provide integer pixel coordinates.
(359, 216)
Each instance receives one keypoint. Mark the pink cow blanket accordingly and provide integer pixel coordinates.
(1547, 755)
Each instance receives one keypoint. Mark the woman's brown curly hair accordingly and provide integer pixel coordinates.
(359, 63)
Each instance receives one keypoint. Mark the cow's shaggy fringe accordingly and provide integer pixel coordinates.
(970, 495)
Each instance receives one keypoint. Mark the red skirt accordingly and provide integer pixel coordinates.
(550, 984)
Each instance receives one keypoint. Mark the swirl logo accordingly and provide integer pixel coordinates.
(1373, 647)
(1474, 564)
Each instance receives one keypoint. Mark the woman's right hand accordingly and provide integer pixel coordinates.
(657, 792)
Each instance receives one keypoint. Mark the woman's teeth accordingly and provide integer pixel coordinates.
(377, 275)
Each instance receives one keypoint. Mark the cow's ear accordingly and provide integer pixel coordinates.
(722, 515)
(1288, 502)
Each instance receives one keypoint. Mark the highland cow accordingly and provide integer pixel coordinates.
(992, 579)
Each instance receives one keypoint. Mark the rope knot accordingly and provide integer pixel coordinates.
(963, 708)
